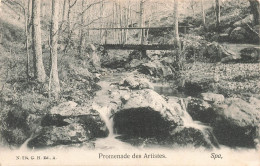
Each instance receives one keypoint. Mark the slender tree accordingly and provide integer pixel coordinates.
(176, 24)
(82, 32)
(39, 72)
(54, 39)
(68, 40)
(26, 20)
(141, 12)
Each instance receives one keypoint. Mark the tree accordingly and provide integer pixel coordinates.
(141, 20)
(82, 32)
(203, 12)
(54, 39)
(255, 10)
(217, 15)
(68, 40)
(39, 72)
(26, 30)
(176, 25)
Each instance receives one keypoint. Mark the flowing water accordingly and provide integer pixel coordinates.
(102, 104)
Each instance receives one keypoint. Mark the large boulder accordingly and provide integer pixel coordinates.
(134, 63)
(192, 137)
(69, 124)
(145, 113)
(254, 34)
(200, 110)
(213, 97)
(134, 82)
(114, 62)
(65, 135)
(238, 34)
(179, 138)
(195, 86)
(216, 52)
(156, 68)
(247, 20)
(250, 54)
(136, 54)
(235, 122)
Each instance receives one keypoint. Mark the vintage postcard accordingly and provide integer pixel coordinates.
(129, 82)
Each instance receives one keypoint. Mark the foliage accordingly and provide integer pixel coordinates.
(193, 47)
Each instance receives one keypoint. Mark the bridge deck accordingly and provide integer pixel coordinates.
(140, 47)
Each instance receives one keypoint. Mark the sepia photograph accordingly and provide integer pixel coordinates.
(130, 82)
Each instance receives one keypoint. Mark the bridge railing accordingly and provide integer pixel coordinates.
(127, 35)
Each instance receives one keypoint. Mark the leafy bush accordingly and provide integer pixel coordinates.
(193, 47)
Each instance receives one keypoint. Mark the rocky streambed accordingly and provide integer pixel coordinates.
(130, 112)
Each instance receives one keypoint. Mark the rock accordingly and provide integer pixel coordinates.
(235, 122)
(223, 37)
(137, 55)
(65, 135)
(212, 97)
(254, 101)
(64, 109)
(215, 52)
(146, 113)
(136, 83)
(134, 63)
(238, 34)
(250, 54)
(195, 86)
(59, 126)
(114, 62)
(156, 68)
(191, 137)
(181, 137)
(200, 110)
(228, 31)
(254, 34)
(247, 20)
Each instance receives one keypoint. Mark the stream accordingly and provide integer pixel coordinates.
(102, 101)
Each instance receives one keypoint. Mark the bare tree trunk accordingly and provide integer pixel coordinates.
(53, 52)
(64, 10)
(27, 43)
(141, 20)
(217, 15)
(176, 25)
(63, 19)
(203, 13)
(255, 10)
(68, 43)
(101, 24)
(114, 21)
(127, 21)
(39, 72)
(82, 32)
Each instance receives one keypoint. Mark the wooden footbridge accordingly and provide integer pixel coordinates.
(142, 45)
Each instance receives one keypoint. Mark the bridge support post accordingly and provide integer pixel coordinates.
(143, 52)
